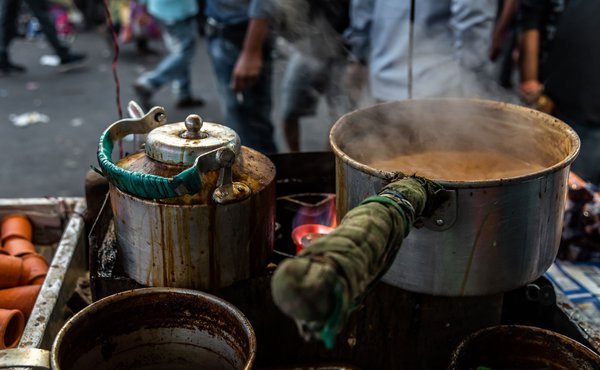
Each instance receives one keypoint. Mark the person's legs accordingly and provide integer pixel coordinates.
(247, 112)
(338, 99)
(256, 108)
(291, 132)
(9, 11)
(300, 95)
(180, 40)
(223, 56)
(586, 164)
(41, 11)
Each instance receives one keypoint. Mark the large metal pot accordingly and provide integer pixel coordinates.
(207, 231)
(143, 329)
(487, 236)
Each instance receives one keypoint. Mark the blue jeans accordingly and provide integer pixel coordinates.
(248, 112)
(180, 41)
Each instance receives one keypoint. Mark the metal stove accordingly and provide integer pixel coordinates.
(394, 329)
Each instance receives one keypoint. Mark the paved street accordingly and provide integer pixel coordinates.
(51, 158)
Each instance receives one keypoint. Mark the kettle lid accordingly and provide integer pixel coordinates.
(182, 142)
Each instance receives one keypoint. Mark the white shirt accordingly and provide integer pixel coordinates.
(451, 42)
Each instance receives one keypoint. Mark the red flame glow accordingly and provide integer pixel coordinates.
(313, 221)
(321, 213)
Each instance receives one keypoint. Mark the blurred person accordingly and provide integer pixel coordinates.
(539, 21)
(134, 24)
(9, 12)
(177, 19)
(572, 80)
(317, 63)
(305, 79)
(451, 43)
(240, 50)
(92, 11)
(504, 40)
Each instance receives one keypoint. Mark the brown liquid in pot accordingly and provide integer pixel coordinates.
(459, 165)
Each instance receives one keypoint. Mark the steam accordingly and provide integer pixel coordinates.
(444, 65)
(449, 60)
(388, 130)
(307, 29)
(311, 33)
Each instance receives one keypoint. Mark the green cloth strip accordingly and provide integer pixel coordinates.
(141, 184)
(327, 280)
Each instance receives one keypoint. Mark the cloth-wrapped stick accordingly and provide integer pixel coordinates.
(329, 279)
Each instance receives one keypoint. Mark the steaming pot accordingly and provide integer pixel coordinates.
(486, 236)
(195, 209)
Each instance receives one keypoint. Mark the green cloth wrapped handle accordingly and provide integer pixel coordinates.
(136, 183)
(330, 278)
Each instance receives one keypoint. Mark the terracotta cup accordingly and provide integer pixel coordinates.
(20, 298)
(15, 225)
(34, 267)
(18, 247)
(38, 280)
(11, 269)
(12, 324)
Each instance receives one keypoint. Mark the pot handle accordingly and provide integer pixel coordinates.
(329, 279)
(150, 186)
(25, 357)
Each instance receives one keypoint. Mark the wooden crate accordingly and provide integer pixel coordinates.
(58, 234)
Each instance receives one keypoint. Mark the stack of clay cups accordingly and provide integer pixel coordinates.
(22, 271)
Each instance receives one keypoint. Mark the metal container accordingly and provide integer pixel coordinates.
(206, 238)
(151, 328)
(522, 347)
(486, 236)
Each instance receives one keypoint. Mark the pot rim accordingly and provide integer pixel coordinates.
(388, 175)
(106, 301)
(567, 341)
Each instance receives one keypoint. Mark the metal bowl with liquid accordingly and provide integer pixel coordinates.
(147, 329)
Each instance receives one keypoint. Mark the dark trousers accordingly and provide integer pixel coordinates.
(586, 163)
(248, 112)
(9, 13)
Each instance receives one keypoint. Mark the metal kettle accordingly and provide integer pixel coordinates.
(194, 209)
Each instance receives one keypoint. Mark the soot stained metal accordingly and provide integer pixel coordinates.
(195, 208)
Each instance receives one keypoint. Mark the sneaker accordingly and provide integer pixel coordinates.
(144, 94)
(7, 67)
(189, 102)
(71, 61)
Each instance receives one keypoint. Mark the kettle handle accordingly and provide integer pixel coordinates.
(136, 183)
(25, 357)
(188, 181)
(150, 186)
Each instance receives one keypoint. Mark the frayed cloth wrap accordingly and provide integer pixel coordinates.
(330, 278)
(136, 183)
(145, 185)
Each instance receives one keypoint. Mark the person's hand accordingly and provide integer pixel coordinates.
(496, 45)
(246, 71)
(532, 93)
